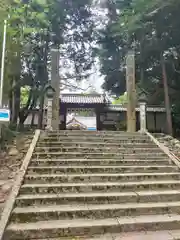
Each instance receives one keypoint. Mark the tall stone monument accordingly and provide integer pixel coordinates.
(55, 83)
(131, 92)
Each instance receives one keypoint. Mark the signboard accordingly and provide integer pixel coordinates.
(92, 128)
(4, 115)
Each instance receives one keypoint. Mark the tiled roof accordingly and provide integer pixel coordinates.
(83, 98)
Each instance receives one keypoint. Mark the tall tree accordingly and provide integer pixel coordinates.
(152, 28)
(35, 27)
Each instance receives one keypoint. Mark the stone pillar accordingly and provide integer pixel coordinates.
(131, 92)
(49, 115)
(142, 106)
(55, 83)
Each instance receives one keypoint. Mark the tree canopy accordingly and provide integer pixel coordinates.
(34, 28)
(151, 28)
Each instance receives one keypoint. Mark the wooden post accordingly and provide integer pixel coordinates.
(55, 83)
(166, 97)
(131, 92)
(98, 121)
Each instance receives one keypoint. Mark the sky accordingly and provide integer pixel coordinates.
(94, 82)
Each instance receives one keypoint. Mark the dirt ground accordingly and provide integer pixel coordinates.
(10, 162)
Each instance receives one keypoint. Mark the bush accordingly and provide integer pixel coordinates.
(7, 135)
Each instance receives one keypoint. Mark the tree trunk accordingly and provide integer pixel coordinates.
(15, 103)
(166, 96)
(45, 79)
(16, 93)
(142, 76)
(41, 112)
(141, 64)
(24, 112)
(10, 105)
(32, 120)
(22, 118)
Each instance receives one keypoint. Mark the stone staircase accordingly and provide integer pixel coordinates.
(97, 185)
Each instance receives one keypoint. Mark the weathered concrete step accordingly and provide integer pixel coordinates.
(98, 197)
(102, 140)
(121, 157)
(99, 187)
(142, 235)
(93, 133)
(90, 227)
(86, 162)
(91, 211)
(100, 169)
(98, 177)
(92, 144)
(97, 138)
(99, 155)
(89, 149)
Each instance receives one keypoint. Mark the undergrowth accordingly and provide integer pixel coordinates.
(7, 136)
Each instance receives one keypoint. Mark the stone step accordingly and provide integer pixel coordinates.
(91, 132)
(119, 158)
(99, 187)
(102, 155)
(103, 141)
(90, 227)
(97, 138)
(94, 133)
(142, 235)
(101, 162)
(99, 197)
(91, 211)
(100, 169)
(89, 149)
(93, 144)
(82, 183)
(99, 177)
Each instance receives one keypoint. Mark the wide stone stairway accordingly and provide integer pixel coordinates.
(97, 185)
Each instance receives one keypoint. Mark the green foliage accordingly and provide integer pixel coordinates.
(7, 135)
(34, 27)
(151, 27)
(24, 95)
(120, 100)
